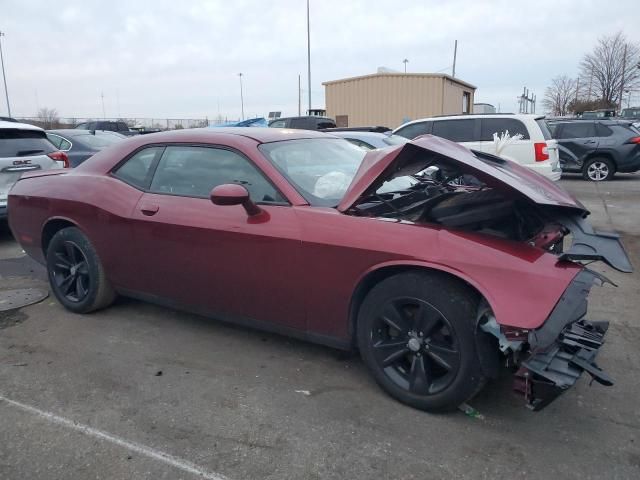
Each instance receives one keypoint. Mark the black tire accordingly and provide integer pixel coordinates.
(598, 169)
(76, 275)
(417, 322)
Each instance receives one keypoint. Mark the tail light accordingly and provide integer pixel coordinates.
(542, 153)
(61, 158)
(635, 140)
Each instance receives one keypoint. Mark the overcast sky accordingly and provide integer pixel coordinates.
(181, 59)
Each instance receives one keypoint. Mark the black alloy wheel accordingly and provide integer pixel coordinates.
(71, 271)
(76, 275)
(418, 336)
(415, 346)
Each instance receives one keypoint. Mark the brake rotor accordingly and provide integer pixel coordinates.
(21, 297)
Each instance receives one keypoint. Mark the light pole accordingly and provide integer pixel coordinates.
(309, 56)
(405, 61)
(4, 77)
(241, 96)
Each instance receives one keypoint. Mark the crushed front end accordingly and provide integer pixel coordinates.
(550, 359)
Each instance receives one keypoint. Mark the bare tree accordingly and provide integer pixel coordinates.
(49, 117)
(606, 71)
(559, 94)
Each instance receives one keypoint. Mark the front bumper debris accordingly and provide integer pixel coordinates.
(548, 373)
(564, 347)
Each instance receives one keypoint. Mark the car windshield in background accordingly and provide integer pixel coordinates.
(24, 143)
(394, 140)
(97, 141)
(321, 169)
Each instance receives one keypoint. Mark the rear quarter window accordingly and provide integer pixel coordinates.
(490, 126)
(24, 143)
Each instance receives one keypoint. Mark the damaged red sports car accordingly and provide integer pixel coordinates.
(439, 264)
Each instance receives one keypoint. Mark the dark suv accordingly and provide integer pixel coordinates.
(597, 148)
(310, 122)
(110, 126)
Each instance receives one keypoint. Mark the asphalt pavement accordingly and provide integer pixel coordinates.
(143, 392)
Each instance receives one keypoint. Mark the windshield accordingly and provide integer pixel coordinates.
(320, 169)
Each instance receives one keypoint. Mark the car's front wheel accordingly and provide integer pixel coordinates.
(598, 169)
(416, 333)
(76, 274)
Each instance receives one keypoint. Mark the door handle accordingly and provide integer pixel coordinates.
(590, 141)
(149, 210)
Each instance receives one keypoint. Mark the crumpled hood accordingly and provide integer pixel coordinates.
(379, 166)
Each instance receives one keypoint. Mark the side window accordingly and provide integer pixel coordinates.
(414, 130)
(455, 130)
(65, 145)
(277, 124)
(577, 130)
(137, 170)
(194, 171)
(122, 127)
(302, 123)
(603, 130)
(324, 123)
(55, 139)
(490, 126)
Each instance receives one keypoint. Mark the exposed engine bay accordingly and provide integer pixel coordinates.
(453, 196)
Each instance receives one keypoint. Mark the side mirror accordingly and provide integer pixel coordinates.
(234, 194)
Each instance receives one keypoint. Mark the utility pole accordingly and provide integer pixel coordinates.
(104, 115)
(299, 97)
(309, 56)
(241, 96)
(4, 77)
(455, 54)
(405, 61)
(624, 68)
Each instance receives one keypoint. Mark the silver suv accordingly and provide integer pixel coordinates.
(24, 148)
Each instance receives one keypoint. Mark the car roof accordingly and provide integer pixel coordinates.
(211, 135)
(19, 126)
(464, 116)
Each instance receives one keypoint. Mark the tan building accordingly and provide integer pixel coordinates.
(391, 99)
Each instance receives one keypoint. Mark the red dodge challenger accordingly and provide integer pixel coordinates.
(439, 264)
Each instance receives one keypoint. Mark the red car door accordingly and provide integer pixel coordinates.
(217, 259)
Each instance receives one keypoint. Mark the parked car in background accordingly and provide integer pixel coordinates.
(446, 281)
(82, 144)
(600, 113)
(24, 148)
(632, 114)
(536, 150)
(309, 122)
(597, 148)
(369, 140)
(119, 126)
(250, 122)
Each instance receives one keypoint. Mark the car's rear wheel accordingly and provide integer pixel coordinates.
(76, 274)
(416, 333)
(598, 169)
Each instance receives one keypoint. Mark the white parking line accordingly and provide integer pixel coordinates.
(133, 446)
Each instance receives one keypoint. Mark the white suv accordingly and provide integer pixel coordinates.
(536, 150)
(24, 148)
